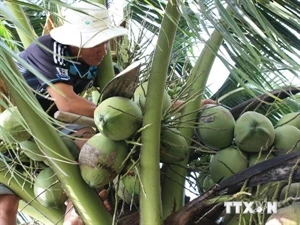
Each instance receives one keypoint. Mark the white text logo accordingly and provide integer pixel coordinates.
(250, 207)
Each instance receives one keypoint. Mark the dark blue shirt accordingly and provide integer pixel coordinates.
(53, 61)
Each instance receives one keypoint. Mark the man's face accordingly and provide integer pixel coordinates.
(94, 56)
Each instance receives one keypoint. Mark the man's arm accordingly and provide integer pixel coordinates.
(68, 101)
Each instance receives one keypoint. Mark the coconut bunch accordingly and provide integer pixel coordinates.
(118, 121)
(252, 132)
(250, 139)
(239, 144)
(104, 155)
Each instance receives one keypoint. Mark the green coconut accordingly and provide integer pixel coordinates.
(255, 158)
(208, 182)
(140, 96)
(226, 162)
(290, 119)
(173, 146)
(200, 180)
(131, 180)
(31, 150)
(289, 215)
(216, 126)
(253, 132)
(101, 160)
(48, 190)
(118, 118)
(270, 190)
(123, 193)
(292, 190)
(287, 139)
(12, 128)
(73, 148)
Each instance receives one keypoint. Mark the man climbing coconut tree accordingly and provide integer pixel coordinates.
(67, 59)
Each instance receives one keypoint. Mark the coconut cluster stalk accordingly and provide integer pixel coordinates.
(85, 199)
(106, 67)
(150, 201)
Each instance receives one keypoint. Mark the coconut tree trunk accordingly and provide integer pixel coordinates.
(88, 205)
(150, 197)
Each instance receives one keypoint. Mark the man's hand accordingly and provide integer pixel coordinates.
(68, 101)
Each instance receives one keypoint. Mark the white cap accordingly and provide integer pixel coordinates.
(87, 27)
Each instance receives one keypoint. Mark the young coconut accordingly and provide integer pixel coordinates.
(12, 128)
(118, 118)
(200, 180)
(287, 139)
(270, 190)
(101, 160)
(123, 193)
(208, 183)
(32, 150)
(226, 162)
(216, 126)
(130, 179)
(255, 158)
(253, 131)
(290, 119)
(48, 190)
(292, 190)
(140, 96)
(289, 215)
(173, 146)
(73, 148)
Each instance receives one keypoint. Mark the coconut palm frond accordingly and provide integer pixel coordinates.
(261, 55)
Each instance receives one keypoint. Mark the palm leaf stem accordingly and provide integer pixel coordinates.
(150, 201)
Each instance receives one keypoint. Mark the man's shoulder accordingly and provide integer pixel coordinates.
(45, 44)
(48, 49)
(48, 41)
(45, 40)
(41, 43)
